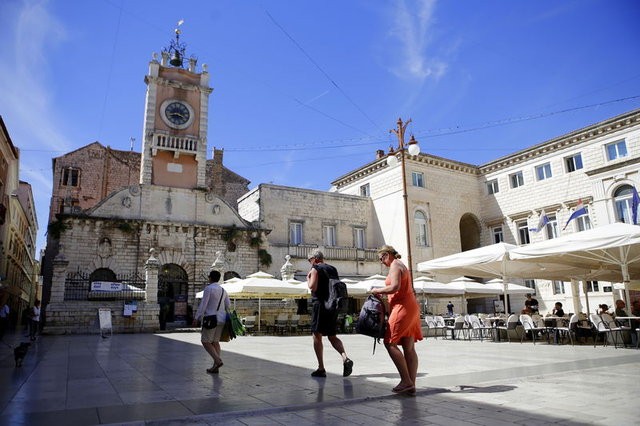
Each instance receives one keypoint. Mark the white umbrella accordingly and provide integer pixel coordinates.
(229, 281)
(374, 281)
(471, 289)
(495, 261)
(612, 252)
(512, 288)
(263, 285)
(429, 286)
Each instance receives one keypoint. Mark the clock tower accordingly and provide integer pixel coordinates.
(175, 121)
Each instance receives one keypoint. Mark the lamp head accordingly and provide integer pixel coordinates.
(414, 148)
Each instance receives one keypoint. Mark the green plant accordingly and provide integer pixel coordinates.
(265, 258)
(55, 229)
(231, 234)
(255, 242)
(125, 227)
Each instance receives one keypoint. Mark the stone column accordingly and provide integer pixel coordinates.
(151, 267)
(59, 277)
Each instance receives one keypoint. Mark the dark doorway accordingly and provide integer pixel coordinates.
(469, 232)
(172, 296)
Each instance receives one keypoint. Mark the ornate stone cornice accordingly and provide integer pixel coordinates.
(613, 166)
(603, 128)
(379, 164)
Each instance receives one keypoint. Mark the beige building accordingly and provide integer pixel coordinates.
(455, 206)
(19, 269)
(151, 224)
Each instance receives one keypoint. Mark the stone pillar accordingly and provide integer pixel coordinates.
(59, 277)
(288, 271)
(151, 267)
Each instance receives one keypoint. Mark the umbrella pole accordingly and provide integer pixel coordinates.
(585, 287)
(259, 313)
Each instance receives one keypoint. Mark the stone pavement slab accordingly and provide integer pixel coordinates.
(160, 379)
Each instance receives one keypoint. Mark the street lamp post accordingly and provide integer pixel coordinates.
(414, 149)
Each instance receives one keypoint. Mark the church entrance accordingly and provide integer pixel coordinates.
(172, 296)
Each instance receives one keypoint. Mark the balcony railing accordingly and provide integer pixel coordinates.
(175, 143)
(302, 251)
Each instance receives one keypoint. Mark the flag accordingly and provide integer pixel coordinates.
(542, 222)
(580, 210)
(635, 202)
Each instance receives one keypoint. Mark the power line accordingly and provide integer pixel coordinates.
(327, 76)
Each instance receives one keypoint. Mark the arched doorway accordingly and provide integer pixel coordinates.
(172, 295)
(469, 232)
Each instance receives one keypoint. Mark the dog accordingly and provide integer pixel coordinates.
(19, 352)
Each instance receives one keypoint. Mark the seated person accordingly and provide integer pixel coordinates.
(557, 310)
(620, 305)
(635, 308)
(603, 309)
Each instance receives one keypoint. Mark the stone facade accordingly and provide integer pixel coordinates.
(19, 268)
(277, 208)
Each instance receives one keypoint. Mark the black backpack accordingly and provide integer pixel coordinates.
(372, 320)
(338, 299)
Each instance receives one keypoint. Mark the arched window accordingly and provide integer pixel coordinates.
(622, 198)
(420, 222)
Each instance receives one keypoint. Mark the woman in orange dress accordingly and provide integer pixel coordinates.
(404, 321)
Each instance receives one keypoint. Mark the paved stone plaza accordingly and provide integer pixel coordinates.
(161, 379)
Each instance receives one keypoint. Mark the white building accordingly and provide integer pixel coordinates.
(454, 206)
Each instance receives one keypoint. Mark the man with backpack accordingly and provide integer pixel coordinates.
(324, 320)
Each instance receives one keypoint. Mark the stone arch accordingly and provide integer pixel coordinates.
(470, 232)
(102, 274)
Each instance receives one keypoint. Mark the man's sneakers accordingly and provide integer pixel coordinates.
(346, 371)
(319, 373)
(347, 368)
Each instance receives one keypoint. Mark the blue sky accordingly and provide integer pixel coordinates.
(305, 91)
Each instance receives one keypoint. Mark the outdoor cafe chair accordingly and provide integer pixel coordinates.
(294, 324)
(477, 328)
(531, 327)
(282, 323)
(249, 323)
(512, 324)
(569, 330)
(458, 326)
(606, 326)
(436, 323)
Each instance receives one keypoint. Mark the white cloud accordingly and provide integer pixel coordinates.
(29, 32)
(413, 30)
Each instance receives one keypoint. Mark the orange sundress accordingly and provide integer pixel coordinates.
(404, 320)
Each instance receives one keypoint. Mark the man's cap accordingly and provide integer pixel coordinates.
(316, 254)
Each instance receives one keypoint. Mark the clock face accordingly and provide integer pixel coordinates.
(177, 113)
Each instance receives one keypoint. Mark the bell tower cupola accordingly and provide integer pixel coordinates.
(175, 119)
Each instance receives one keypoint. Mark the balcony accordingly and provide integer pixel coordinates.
(302, 251)
(176, 144)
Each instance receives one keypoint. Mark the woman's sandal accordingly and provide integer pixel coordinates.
(404, 389)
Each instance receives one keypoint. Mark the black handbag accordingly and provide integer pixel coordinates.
(211, 321)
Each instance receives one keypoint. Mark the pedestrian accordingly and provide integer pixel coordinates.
(4, 317)
(35, 320)
(215, 301)
(323, 320)
(404, 320)
(450, 309)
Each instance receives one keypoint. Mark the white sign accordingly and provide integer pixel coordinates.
(104, 315)
(106, 286)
